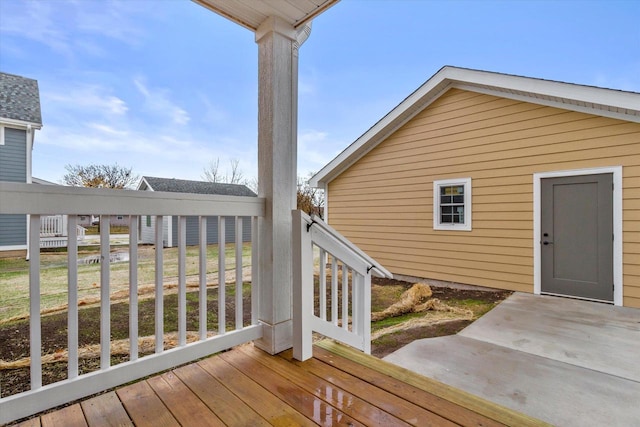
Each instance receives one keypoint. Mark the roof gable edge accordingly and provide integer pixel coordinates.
(412, 105)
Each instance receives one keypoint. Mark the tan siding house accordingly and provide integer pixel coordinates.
(499, 181)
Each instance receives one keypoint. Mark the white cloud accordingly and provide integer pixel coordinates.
(112, 19)
(36, 22)
(106, 129)
(72, 31)
(84, 99)
(157, 100)
(212, 112)
(315, 150)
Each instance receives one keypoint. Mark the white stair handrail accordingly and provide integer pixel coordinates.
(356, 268)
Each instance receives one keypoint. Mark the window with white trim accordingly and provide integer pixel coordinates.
(452, 204)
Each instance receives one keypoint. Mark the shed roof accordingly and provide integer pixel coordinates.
(587, 99)
(250, 13)
(195, 187)
(19, 99)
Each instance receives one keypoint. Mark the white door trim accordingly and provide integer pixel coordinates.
(617, 224)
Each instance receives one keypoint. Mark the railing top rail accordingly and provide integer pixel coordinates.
(376, 268)
(20, 198)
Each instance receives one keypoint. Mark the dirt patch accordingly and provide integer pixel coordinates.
(389, 343)
(14, 337)
(458, 309)
(390, 334)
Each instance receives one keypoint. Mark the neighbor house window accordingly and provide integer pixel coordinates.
(148, 220)
(452, 204)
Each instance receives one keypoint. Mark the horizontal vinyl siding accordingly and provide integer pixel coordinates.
(193, 230)
(13, 167)
(13, 156)
(384, 202)
(631, 236)
(13, 230)
(147, 233)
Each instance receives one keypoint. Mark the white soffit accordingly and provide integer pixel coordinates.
(586, 99)
(251, 13)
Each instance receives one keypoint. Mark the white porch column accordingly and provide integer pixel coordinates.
(278, 43)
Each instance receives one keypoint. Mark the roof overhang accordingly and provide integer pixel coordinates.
(19, 124)
(586, 99)
(251, 13)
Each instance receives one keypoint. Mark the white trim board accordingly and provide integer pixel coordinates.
(13, 248)
(617, 225)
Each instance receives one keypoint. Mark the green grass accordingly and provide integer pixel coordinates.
(114, 229)
(14, 275)
(392, 321)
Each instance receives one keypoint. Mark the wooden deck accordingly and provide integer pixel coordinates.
(247, 387)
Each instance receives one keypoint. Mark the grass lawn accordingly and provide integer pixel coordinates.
(113, 229)
(14, 276)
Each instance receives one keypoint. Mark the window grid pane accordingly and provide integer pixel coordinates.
(452, 204)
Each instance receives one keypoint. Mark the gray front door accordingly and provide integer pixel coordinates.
(577, 236)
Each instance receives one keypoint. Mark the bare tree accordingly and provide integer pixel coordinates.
(99, 176)
(236, 176)
(310, 199)
(212, 173)
(252, 184)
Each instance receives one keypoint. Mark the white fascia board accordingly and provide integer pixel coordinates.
(405, 111)
(144, 181)
(568, 105)
(250, 14)
(567, 91)
(19, 124)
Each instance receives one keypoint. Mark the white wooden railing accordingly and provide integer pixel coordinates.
(53, 225)
(38, 201)
(54, 231)
(343, 311)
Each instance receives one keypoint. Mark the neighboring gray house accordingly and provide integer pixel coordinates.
(20, 117)
(170, 226)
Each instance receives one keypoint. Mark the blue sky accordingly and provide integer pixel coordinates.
(166, 86)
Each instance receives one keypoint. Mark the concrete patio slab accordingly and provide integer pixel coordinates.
(543, 356)
(583, 333)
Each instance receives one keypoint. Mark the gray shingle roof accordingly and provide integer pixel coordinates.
(197, 187)
(19, 99)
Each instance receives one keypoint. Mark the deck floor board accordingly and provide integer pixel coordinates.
(455, 413)
(317, 410)
(185, 406)
(71, 416)
(144, 407)
(269, 406)
(352, 405)
(246, 386)
(226, 405)
(105, 410)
